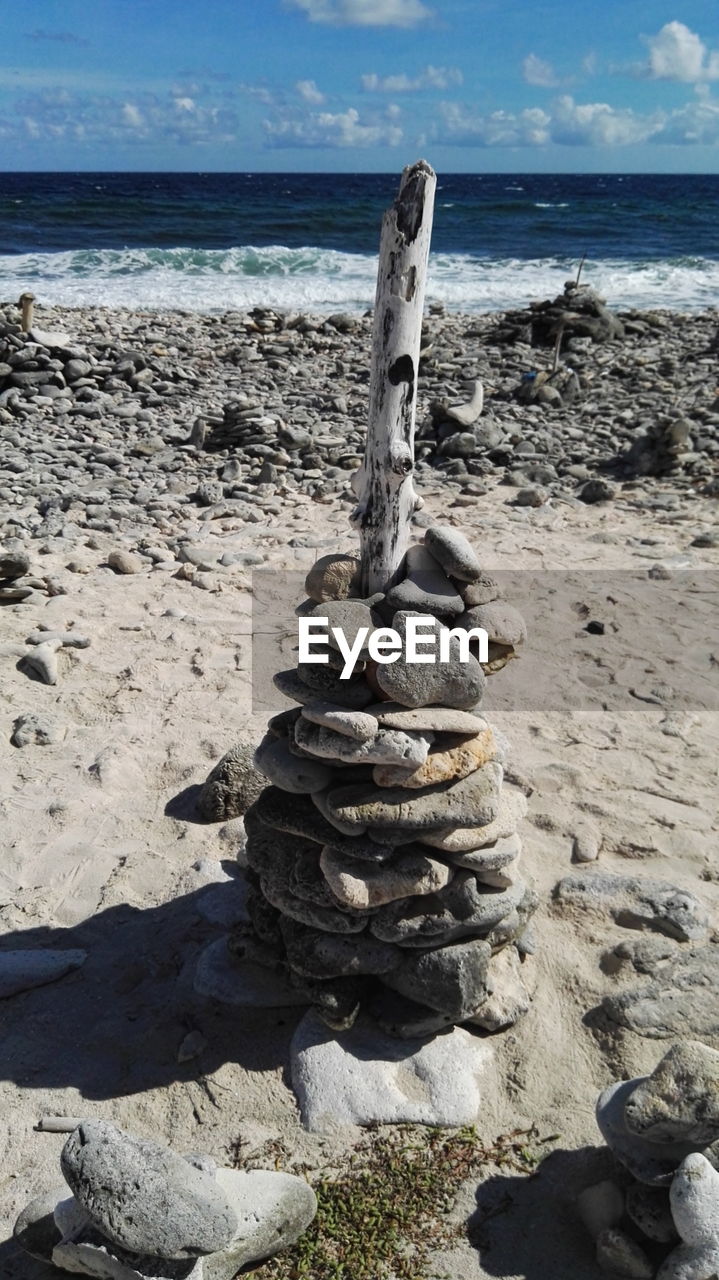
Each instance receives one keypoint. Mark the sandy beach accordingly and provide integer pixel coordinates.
(191, 451)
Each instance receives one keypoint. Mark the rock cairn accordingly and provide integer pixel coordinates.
(383, 856)
(664, 1131)
(138, 1211)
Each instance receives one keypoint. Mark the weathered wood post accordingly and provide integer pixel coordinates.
(383, 484)
(27, 305)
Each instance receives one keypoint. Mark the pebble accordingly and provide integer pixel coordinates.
(679, 1101)
(452, 980)
(360, 884)
(231, 786)
(648, 1208)
(440, 719)
(653, 1163)
(425, 588)
(475, 798)
(511, 809)
(694, 1200)
(334, 577)
(292, 773)
(125, 562)
(453, 551)
(586, 841)
(453, 758)
(389, 746)
(361, 726)
(144, 1197)
(508, 998)
(38, 730)
(21, 970)
(452, 684)
(503, 624)
(42, 659)
(619, 1255)
(600, 1207)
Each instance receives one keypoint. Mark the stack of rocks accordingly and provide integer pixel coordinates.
(383, 857)
(579, 312)
(664, 1130)
(140, 1212)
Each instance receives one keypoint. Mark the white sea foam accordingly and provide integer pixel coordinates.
(325, 280)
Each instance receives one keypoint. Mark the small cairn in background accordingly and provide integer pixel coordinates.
(661, 1219)
(138, 1211)
(383, 858)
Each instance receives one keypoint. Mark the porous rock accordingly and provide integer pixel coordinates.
(232, 786)
(144, 1197)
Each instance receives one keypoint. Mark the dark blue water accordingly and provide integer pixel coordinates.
(200, 240)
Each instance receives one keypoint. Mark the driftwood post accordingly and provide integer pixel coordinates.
(383, 484)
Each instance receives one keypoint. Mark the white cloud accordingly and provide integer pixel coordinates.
(538, 72)
(597, 124)
(364, 13)
(565, 123)
(308, 90)
(590, 64)
(334, 130)
(696, 124)
(132, 116)
(498, 129)
(430, 78)
(676, 53)
(102, 118)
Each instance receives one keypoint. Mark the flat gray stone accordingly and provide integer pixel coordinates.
(14, 564)
(393, 715)
(309, 682)
(295, 815)
(681, 999)
(287, 771)
(425, 587)
(679, 1101)
(316, 954)
(489, 863)
(451, 684)
(364, 1076)
(21, 970)
(272, 1209)
(453, 551)
(452, 980)
(472, 800)
(464, 909)
(503, 623)
(388, 746)
(360, 884)
(452, 757)
(653, 1163)
(143, 1197)
(637, 901)
(455, 840)
(358, 725)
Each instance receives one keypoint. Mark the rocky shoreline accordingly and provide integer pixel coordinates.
(132, 423)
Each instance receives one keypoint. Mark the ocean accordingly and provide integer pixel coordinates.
(212, 242)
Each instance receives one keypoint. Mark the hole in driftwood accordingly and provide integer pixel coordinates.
(401, 371)
(406, 284)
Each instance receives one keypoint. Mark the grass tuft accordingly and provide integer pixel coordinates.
(383, 1213)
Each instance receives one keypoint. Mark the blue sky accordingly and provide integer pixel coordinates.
(354, 85)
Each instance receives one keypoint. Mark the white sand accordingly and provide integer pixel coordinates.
(94, 858)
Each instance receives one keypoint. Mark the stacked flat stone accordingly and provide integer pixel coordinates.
(664, 1131)
(383, 858)
(138, 1211)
